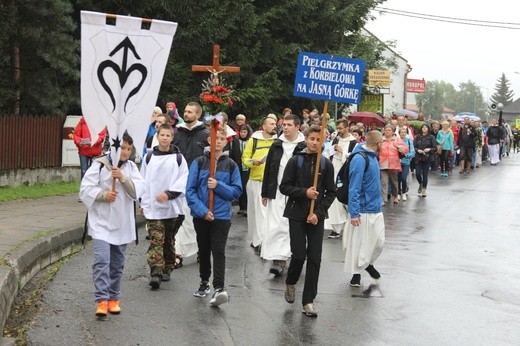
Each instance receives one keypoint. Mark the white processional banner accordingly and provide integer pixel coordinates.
(122, 67)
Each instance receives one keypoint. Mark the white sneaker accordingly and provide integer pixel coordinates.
(219, 297)
(403, 197)
(398, 197)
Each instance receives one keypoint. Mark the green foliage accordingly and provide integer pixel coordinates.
(262, 37)
(9, 193)
(49, 57)
(440, 94)
(503, 93)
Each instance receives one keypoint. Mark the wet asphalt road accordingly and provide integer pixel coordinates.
(449, 276)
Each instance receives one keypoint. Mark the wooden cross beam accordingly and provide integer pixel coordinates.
(216, 69)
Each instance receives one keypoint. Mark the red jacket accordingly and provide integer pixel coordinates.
(82, 132)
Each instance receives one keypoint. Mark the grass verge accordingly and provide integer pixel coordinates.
(28, 302)
(10, 193)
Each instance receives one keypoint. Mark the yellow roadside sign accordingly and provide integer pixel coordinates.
(379, 78)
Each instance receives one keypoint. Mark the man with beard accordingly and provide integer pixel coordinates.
(254, 157)
(191, 138)
(276, 244)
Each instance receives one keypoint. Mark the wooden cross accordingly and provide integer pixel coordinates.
(215, 69)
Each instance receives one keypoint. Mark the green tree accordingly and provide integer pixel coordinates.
(470, 99)
(503, 93)
(432, 102)
(40, 58)
(262, 37)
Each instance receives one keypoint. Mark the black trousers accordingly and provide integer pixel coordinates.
(242, 201)
(306, 242)
(211, 239)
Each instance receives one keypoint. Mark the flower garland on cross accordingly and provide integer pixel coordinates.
(216, 97)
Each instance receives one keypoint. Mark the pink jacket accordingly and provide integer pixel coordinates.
(390, 153)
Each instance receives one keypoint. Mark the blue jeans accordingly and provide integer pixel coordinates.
(84, 163)
(107, 269)
(402, 186)
(421, 172)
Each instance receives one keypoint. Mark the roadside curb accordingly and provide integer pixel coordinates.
(24, 263)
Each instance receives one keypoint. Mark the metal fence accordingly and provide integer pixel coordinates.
(30, 142)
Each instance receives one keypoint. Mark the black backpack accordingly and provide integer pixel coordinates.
(343, 178)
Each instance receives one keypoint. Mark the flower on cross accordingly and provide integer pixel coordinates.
(216, 97)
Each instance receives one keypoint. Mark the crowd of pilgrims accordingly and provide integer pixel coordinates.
(443, 147)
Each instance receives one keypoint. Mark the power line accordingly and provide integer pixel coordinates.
(463, 21)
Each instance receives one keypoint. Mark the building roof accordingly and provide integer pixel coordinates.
(448, 110)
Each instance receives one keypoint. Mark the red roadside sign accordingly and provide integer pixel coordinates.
(415, 85)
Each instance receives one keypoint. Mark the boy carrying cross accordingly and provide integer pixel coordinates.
(212, 227)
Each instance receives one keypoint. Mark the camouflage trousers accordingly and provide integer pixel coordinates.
(161, 252)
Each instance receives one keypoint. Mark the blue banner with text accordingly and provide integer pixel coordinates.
(329, 78)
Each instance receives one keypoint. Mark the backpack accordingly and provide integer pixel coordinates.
(255, 144)
(149, 157)
(343, 178)
(299, 163)
(201, 160)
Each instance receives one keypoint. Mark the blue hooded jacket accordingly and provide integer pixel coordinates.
(364, 193)
(229, 187)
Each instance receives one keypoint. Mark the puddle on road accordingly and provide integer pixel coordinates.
(372, 291)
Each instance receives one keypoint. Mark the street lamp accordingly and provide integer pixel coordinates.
(500, 106)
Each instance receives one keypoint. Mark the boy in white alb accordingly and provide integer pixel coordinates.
(111, 222)
(165, 172)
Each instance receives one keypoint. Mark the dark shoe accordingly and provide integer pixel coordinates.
(165, 277)
(334, 235)
(290, 293)
(356, 280)
(178, 262)
(155, 282)
(219, 297)
(276, 269)
(310, 310)
(373, 272)
(203, 290)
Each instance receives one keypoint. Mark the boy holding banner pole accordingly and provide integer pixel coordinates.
(306, 229)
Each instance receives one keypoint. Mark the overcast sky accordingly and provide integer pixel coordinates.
(455, 53)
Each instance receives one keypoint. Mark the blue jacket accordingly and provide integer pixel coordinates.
(229, 187)
(364, 193)
(411, 152)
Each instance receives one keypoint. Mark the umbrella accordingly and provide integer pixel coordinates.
(366, 118)
(407, 113)
(460, 116)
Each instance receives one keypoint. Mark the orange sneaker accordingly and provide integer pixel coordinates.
(102, 308)
(113, 307)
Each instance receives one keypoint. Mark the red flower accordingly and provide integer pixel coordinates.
(216, 97)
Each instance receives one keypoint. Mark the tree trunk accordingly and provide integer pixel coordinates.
(16, 78)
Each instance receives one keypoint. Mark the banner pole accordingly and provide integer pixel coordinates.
(320, 148)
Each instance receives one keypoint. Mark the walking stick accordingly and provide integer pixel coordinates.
(318, 157)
